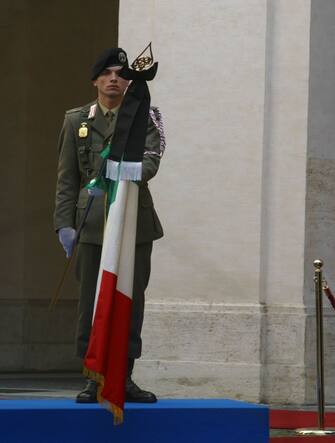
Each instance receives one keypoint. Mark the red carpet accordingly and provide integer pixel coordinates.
(284, 419)
(302, 439)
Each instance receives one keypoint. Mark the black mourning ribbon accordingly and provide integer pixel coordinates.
(128, 141)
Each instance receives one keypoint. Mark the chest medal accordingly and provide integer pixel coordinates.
(83, 131)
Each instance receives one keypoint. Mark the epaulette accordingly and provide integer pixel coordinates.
(71, 111)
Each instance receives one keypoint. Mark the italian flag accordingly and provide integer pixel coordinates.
(107, 355)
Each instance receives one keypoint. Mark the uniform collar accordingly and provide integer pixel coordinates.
(105, 110)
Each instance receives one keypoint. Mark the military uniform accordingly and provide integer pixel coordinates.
(79, 162)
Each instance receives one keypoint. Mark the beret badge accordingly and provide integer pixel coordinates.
(122, 57)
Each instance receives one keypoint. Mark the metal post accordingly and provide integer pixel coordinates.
(318, 264)
(319, 343)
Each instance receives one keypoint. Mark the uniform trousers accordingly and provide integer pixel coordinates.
(87, 269)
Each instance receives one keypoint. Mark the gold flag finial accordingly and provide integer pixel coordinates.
(144, 60)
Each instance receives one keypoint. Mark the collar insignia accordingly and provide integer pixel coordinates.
(93, 110)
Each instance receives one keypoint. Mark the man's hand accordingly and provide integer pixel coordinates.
(66, 237)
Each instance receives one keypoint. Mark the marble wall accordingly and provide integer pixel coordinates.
(226, 311)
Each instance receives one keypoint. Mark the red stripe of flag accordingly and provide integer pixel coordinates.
(107, 352)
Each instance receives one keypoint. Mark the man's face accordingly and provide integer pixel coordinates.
(110, 84)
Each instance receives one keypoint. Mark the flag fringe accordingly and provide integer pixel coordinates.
(117, 413)
(124, 170)
(113, 408)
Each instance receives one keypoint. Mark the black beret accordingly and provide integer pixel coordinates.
(109, 57)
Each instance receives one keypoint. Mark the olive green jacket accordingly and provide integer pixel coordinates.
(79, 162)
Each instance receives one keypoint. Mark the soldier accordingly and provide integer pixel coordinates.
(84, 134)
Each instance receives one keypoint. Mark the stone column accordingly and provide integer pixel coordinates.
(47, 51)
(283, 201)
(226, 312)
(203, 317)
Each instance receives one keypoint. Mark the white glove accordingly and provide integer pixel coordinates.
(97, 192)
(66, 237)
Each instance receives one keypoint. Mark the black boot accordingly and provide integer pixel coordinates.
(134, 394)
(89, 394)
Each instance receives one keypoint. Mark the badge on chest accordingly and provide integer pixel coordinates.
(83, 130)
